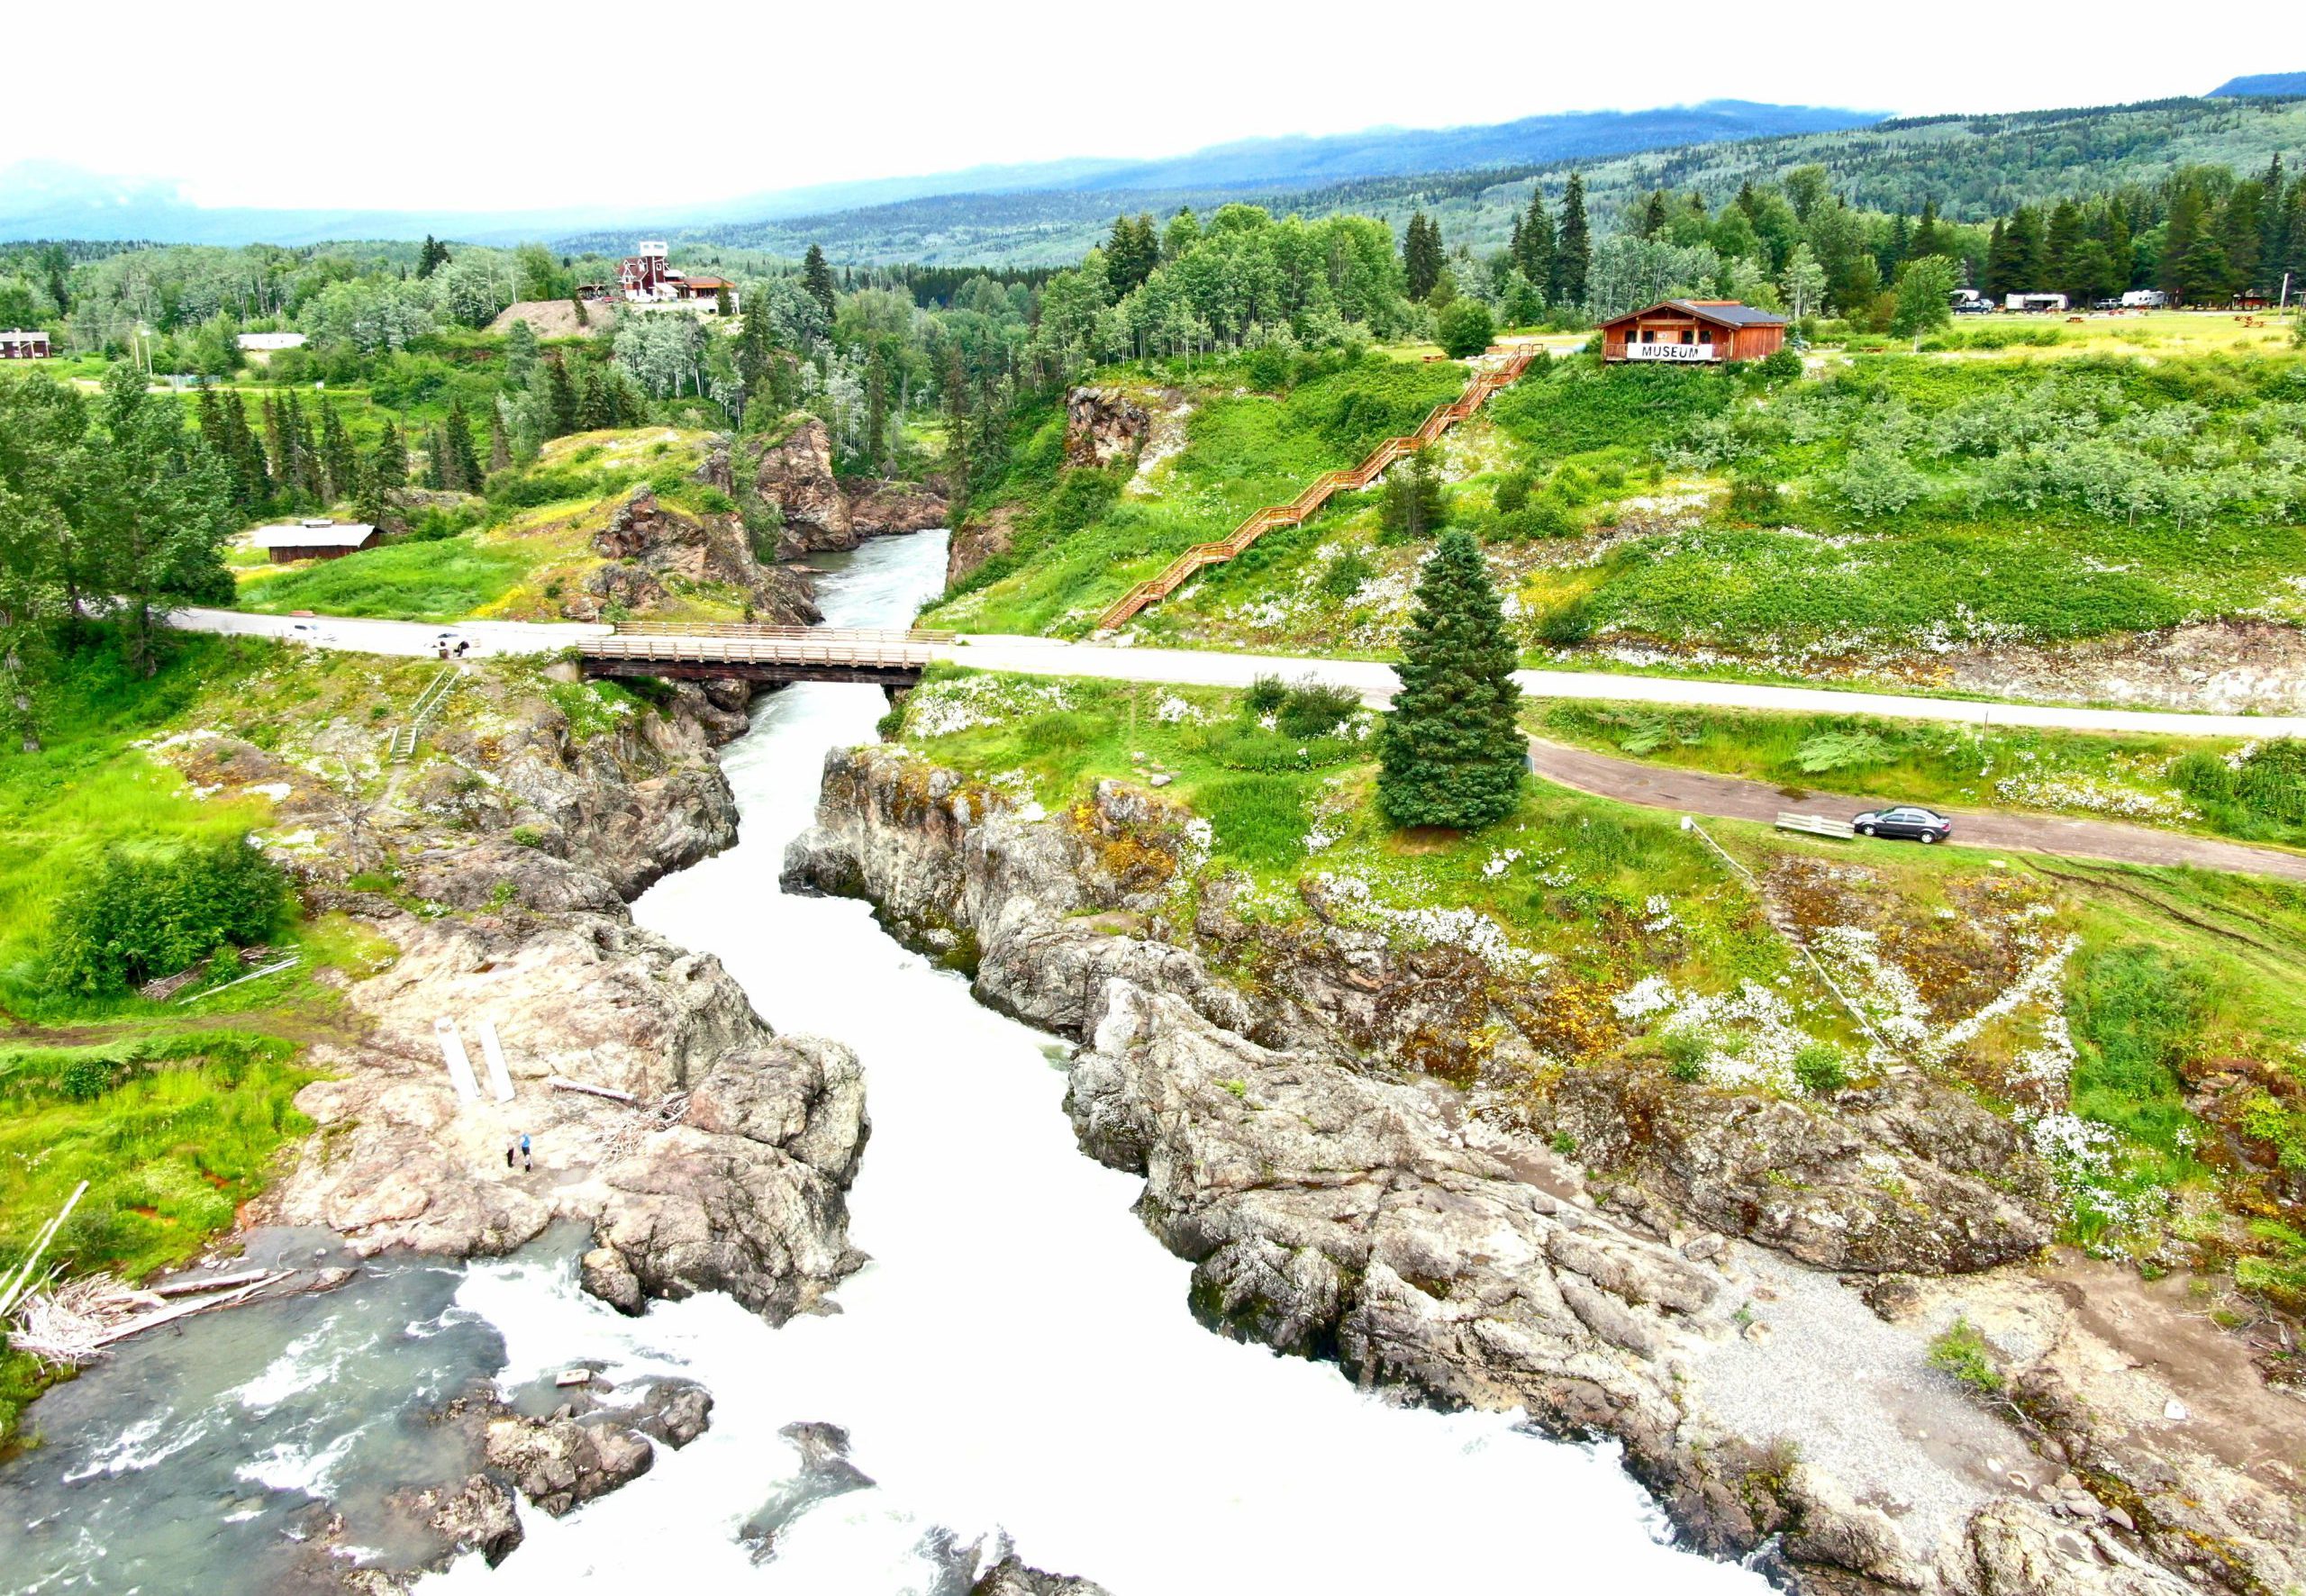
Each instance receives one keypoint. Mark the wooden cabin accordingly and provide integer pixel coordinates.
(1692, 331)
(24, 345)
(316, 539)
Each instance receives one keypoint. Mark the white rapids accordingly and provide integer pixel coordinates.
(1018, 1358)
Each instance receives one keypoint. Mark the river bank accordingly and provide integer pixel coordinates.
(1750, 1304)
(1011, 1371)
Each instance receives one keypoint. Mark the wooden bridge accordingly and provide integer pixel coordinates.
(885, 659)
(1512, 362)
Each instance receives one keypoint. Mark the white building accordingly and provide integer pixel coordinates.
(267, 342)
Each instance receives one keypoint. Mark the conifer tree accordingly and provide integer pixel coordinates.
(1535, 256)
(389, 463)
(462, 469)
(436, 454)
(816, 277)
(593, 405)
(500, 444)
(584, 316)
(1653, 215)
(337, 457)
(562, 395)
(1574, 246)
(1450, 752)
(1421, 255)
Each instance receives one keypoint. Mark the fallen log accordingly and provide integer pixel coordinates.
(561, 1083)
(186, 1288)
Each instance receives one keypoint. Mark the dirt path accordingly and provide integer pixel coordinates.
(1729, 797)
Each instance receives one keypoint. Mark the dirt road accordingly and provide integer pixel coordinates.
(1727, 797)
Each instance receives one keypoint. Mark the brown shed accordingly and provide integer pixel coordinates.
(1692, 331)
(312, 539)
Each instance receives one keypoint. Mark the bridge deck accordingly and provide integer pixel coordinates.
(763, 653)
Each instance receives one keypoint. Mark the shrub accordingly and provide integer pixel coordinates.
(1464, 329)
(1684, 1053)
(529, 835)
(1343, 576)
(1961, 1351)
(1840, 750)
(1567, 624)
(1820, 1069)
(1265, 696)
(1513, 492)
(1542, 518)
(1312, 709)
(1754, 500)
(138, 915)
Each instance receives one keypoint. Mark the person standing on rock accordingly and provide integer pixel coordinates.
(511, 1147)
(527, 1162)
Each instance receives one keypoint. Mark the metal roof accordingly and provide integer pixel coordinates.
(346, 534)
(1721, 312)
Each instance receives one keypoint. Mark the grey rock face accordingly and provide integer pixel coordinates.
(1911, 1184)
(1334, 1203)
(1104, 425)
(1013, 1577)
(561, 1462)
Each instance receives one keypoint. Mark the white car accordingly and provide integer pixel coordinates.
(309, 632)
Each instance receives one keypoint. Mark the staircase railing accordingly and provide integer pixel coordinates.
(1321, 489)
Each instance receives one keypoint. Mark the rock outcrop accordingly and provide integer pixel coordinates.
(1013, 1577)
(1104, 426)
(982, 539)
(1336, 1203)
(650, 543)
(562, 1461)
(821, 512)
(516, 845)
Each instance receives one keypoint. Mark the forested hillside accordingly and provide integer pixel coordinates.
(1973, 167)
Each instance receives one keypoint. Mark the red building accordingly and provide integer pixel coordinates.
(1692, 331)
(648, 276)
(24, 345)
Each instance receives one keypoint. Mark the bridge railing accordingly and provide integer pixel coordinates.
(706, 644)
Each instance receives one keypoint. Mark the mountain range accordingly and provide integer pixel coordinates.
(46, 199)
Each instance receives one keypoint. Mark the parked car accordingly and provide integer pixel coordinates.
(1974, 307)
(1910, 821)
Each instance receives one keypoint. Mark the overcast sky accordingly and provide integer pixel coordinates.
(486, 106)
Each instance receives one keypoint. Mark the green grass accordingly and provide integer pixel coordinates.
(172, 1135)
(1961, 1351)
(1081, 543)
(90, 789)
(445, 580)
(2175, 972)
(1897, 504)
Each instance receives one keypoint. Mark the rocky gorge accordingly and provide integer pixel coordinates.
(1720, 1284)
(790, 475)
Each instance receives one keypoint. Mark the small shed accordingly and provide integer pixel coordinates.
(264, 342)
(1692, 331)
(319, 538)
(24, 345)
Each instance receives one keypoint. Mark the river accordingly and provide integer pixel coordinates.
(1017, 1359)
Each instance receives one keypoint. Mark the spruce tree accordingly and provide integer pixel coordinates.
(1536, 250)
(337, 457)
(1450, 752)
(816, 277)
(1422, 256)
(1573, 248)
(500, 445)
(463, 464)
(390, 464)
(561, 394)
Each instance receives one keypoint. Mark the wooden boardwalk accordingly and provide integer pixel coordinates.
(1513, 360)
(888, 658)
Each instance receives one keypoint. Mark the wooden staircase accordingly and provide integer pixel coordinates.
(1513, 360)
